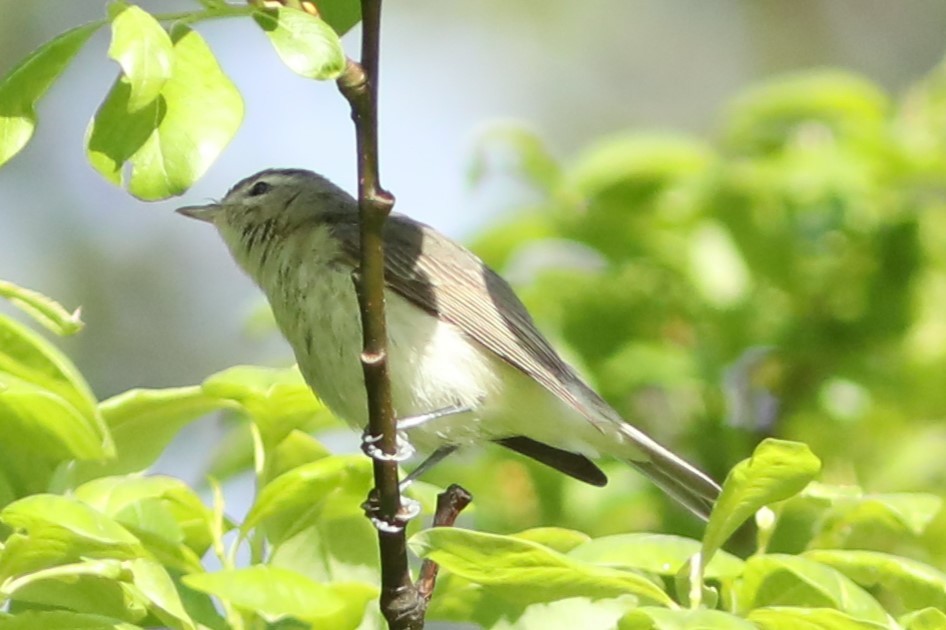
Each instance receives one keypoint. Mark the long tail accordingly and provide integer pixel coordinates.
(691, 488)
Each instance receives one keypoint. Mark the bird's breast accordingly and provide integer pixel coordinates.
(431, 363)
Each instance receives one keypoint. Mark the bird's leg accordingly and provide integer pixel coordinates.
(404, 448)
(411, 422)
(409, 508)
(435, 458)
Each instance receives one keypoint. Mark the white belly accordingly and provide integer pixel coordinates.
(432, 366)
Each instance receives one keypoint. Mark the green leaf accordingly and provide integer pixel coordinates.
(766, 117)
(656, 553)
(48, 546)
(171, 141)
(142, 423)
(643, 160)
(154, 583)
(82, 521)
(305, 43)
(161, 506)
(298, 496)
(296, 449)
(525, 571)
(277, 400)
(782, 580)
(109, 569)
(26, 355)
(340, 14)
(87, 593)
(650, 618)
(331, 550)
(44, 310)
(144, 50)
(47, 424)
(62, 620)
(776, 471)
(787, 618)
(276, 593)
(926, 619)
(916, 584)
(556, 538)
(28, 82)
(907, 513)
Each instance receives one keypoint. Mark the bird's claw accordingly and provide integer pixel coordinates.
(403, 449)
(408, 510)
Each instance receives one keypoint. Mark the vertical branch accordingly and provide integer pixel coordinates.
(400, 602)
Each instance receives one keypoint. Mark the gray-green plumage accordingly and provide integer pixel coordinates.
(457, 333)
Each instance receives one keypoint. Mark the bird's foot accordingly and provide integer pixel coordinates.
(372, 507)
(403, 449)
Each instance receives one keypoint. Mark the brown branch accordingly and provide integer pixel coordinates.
(401, 604)
(450, 503)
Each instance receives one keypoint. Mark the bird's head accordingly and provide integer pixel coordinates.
(260, 210)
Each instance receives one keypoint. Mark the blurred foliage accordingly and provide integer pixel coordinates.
(785, 281)
(789, 280)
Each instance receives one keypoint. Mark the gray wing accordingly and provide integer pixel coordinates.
(469, 294)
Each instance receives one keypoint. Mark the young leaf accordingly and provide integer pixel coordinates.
(154, 583)
(277, 400)
(46, 311)
(144, 50)
(28, 82)
(340, 14)
(925, 619)
(916, 584)
(41, 510)
(301, 490)
(62, 620)
(776, 471)
(527, 572)
(90, 586)
(656, 553)
(26, 355)
(788, 618)
(305, 43)
(276, 593)
(142, 422)
(782, 580)
(44, 421)
(556, 538)
(650, 618)
(171, 141)
(161, 506)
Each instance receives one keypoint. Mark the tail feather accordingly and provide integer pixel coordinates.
(691, 488)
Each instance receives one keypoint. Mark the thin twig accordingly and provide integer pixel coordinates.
(401, 604)
(450, 503)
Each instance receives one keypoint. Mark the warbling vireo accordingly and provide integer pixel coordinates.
(459, 338)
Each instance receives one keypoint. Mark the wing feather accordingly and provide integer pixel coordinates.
(449, 281)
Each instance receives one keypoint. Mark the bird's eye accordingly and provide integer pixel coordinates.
(260, 188)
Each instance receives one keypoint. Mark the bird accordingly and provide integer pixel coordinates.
(467, 363)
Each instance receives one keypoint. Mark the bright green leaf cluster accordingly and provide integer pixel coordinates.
(90, 542)
(172, 110)
(496, 577)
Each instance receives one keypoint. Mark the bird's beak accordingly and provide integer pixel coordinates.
(201, 213)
